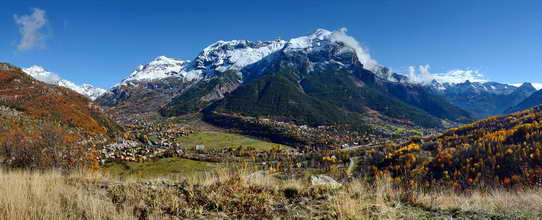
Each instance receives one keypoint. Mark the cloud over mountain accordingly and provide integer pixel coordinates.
(422, 75)
(361, 52)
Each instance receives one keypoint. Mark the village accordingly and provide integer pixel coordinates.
(333, 150)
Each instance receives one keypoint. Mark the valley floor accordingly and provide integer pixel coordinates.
(229, 194)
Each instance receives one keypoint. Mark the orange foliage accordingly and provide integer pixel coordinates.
(503, 150)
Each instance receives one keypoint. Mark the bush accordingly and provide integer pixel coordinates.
(45, 149)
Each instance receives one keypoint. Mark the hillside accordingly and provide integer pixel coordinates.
(27, 104)
(502, 150)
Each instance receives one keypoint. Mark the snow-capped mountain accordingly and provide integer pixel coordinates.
(323, 41)
(470, 90)
(482, 98)
(234, 55)
(41, 74)
(218, 57)
(222, 76)
(238, 55)
(473, 87)
(160, 68)
(285, 69)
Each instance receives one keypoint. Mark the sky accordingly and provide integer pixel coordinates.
(102, 41)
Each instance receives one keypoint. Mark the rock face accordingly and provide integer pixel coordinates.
(326, 181)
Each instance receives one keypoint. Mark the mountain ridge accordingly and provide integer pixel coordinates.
(161, 84)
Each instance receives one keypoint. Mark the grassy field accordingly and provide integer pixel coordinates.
(218, 140)
(161, 167)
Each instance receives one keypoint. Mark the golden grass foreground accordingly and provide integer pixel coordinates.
(227, 194)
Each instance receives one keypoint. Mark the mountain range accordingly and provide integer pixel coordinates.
(483, 99)
(320, 79)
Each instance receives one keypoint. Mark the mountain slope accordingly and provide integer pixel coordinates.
(143, 96)
(202, 94)
(27, 103)
(42, 75)
(532, 101)
(279, 98)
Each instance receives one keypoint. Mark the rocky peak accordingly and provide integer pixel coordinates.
(159, 68)
(234, 55)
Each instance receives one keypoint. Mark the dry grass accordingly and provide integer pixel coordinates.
(225, 193)
(494, 201)
(360, 200)
(35, 195)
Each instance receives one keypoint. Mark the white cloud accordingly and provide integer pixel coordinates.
(30, 27)
(362, 53)
(459, 76)
(424, 76)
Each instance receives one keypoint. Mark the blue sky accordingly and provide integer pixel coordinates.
(101, 42)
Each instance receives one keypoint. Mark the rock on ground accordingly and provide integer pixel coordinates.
(323, 180)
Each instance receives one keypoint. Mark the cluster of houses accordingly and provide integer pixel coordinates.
(143, 141)
(132, 151)
(156, 134)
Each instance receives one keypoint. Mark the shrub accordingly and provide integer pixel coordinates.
(45, 149)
